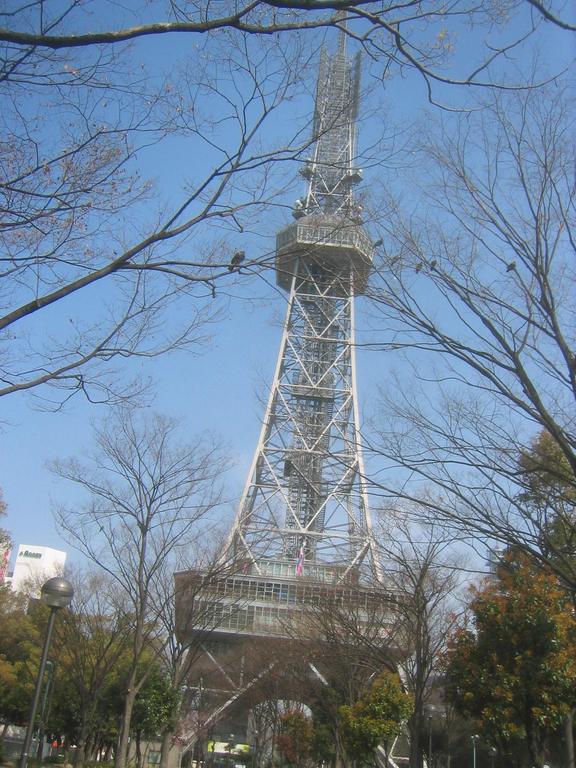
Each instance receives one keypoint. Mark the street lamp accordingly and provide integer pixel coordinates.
(255, 748)
(474, 740)
(447, 733)
(56, 593)
(429, 740)
(493, 752)
(44, 707)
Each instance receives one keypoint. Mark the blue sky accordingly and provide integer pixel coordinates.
(217, 388)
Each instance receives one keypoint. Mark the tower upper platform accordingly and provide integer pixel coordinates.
(328, 229)
(329, 241)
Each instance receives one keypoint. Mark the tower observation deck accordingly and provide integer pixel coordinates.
(328, 230)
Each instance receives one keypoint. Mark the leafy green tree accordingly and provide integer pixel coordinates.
(155, 710)
(514, 670)
(295, 740)
(20, 642)
(323, 747)
(549, 493)
(93, 638)
(549, 477)
(375, 718)
(89, 655)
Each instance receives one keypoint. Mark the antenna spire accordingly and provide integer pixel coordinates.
(330, 172)
(341, 24)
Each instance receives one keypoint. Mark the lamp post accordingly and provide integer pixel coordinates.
(429, 740)
(474, 740)
(492, 756)
(56, 593)
(44, 707)
(256, 748)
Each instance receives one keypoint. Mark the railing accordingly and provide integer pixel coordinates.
(325, 234)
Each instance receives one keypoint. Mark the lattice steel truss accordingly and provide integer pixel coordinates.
(302, 535)
(304, 510)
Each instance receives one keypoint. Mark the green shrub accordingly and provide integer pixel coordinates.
(96, 764)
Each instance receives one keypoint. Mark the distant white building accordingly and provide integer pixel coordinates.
(34, 565)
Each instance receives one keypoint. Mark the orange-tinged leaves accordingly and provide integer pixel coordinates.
(517, 670)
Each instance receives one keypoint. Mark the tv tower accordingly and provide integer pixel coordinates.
(304, 510)
(303, 527)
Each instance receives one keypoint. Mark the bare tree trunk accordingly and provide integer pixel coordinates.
(168, 476)
(415, 751)
(94, 748)
(534, 747)
(167, 740)
(121, 757)
(341, 758)
(139, 760)
(82, 741)
(569, 740)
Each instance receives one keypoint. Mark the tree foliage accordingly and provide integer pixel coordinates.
(20, 643)
(91, 664)
(375, 718)
(93, 639)
(296, 737)
(514, 670)
(156, 705)
(550, 494)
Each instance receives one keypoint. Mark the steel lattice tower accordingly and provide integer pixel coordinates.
(304, 511)
(302, 532)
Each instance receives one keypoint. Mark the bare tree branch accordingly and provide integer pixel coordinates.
(477, 286)
(147, 497)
